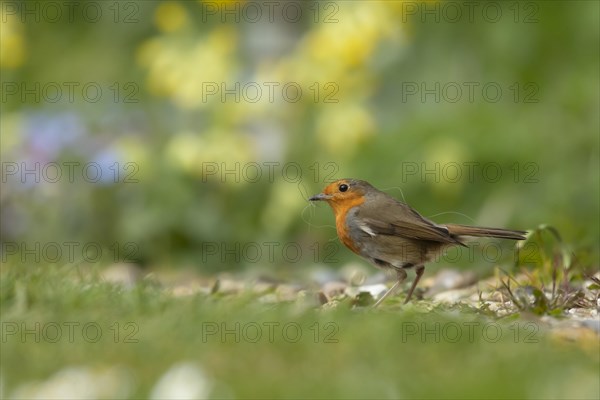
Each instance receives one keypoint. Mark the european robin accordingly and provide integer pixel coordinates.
(392, 235)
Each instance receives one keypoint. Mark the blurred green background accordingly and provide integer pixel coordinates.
(472, 112)
(389, 91)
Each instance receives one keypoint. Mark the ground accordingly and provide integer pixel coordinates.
(119, 333)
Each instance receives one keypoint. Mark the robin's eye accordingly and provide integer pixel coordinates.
(343, 187)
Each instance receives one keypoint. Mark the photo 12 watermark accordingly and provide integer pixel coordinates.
(68, 252)
(469, 172)
(270, 92)
(268, 332)
(469, 92)
(70, 92)
(269, 252)
(268, 172)
(468, 331)
(69, 172)
(69, 332)
(54, 12)
(252, 12)
(491, 12)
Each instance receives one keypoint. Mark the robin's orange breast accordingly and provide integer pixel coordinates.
(341, 209)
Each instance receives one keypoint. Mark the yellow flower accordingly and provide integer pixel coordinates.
(12, 42)
(192, 151)
(342, 129)
(170, 16)
(192, 75)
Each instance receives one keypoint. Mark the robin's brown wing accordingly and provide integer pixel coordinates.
(387, 216)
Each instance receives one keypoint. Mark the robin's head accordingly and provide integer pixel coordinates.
(343, 191)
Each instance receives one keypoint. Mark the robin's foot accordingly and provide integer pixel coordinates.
(401, 277)
(419, 271)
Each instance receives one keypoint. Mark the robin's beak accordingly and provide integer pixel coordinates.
(320, 196)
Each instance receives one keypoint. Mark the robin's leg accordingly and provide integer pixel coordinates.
(419, 271)
(401, 274)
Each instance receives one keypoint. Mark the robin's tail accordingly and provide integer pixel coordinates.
(478, 231)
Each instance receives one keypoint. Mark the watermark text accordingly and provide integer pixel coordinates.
(68, 331)
(68, 252)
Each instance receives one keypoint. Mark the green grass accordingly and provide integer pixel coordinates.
(548, 288)
(341, 352)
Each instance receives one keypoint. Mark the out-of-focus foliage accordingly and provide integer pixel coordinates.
(146, 330)
(166, 120)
